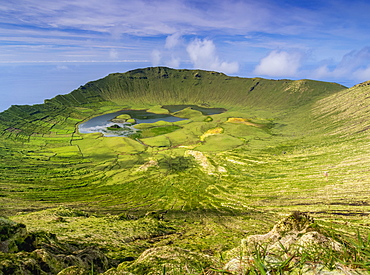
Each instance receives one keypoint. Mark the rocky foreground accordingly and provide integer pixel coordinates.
(295, 245)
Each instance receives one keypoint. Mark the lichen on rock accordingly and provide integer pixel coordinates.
(11, 235)
(173, 260)
(23, 252)
(74, 270)
(290, 238)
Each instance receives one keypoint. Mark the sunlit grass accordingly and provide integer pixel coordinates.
(287, 151)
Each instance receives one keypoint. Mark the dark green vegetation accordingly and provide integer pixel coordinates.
(25, 252)
(114, 127)
(194, 187)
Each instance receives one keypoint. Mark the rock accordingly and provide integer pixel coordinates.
(169, 260)
(93, 256)
(289, 239)
(284, 234)
(47, 260)
(315, 239)
(41, 253)
(239, 265)
(74, 270)
(11, 235)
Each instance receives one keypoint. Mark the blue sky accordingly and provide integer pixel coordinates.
(52, 47)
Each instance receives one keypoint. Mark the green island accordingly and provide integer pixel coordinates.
(114, 127)
(279, 183)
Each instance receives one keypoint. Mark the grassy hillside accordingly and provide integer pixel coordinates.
(158, 86)
(198, 185)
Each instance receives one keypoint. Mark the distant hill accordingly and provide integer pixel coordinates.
(159, 86)
(347, 111)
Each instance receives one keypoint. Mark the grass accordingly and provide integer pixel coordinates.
(355, 256)
(117, 234)
(268, 160)
(157, 131)
(220, 143)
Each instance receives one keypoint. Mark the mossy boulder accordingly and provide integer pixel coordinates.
(169, 260)
(296, 231)
(74, 270)
(12, 235)
(298, 235)
(22, 252)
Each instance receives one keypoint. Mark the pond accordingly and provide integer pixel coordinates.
(104, 124)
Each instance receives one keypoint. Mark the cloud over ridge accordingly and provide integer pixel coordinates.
(354, 64)
(325, 40)
(279, 63)
(203, 55)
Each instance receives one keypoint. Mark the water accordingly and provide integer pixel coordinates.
(100, 124)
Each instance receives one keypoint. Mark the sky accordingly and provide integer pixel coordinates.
(52, 47)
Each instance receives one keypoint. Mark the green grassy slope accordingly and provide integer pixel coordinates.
(214, 180)
(158, 86)
(168, 86)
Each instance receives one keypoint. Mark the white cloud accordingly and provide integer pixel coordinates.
(279, 63)
(203, 55)
(164, 17)
(353, 65)
(156, 57)
(321, 72)
(354, 60)
(174, 62)
(146, 18)
(172, 40)
(363, 74)
(86, 30)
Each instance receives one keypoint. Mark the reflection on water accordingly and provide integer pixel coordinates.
(100, 124)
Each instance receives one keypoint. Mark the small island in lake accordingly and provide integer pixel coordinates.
(114, 127)
(121, 118)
